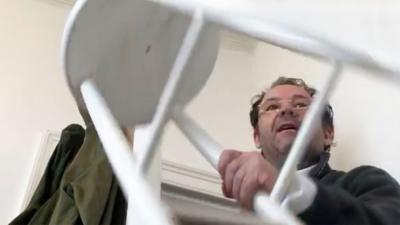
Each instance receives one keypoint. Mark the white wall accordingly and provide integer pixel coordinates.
(221, 108)
(33, 94)
(35, 98)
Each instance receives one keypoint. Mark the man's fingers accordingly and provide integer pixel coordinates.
(248, 191)
(243, 174)
(230, 173)
(237, 182)
(227, 156)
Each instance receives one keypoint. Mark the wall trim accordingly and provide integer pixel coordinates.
(47, 143)
(237, 42)
(191, 178)
(66, 2)
(190, 172)
(229, 40)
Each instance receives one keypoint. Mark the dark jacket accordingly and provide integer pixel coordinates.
(365, 195)
(78, 186)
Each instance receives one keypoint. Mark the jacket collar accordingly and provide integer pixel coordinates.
(322, 167)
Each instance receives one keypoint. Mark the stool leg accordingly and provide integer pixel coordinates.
(141, 202)
(166, 102)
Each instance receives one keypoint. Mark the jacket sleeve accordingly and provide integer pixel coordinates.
(366, 195)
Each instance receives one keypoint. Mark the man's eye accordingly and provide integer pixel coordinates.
(301, 105)
(271, 108)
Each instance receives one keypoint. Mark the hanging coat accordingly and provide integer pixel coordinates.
(78, 186)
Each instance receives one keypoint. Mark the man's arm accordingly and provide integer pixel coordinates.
(365, 195)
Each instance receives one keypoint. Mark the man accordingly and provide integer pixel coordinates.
(320, 195)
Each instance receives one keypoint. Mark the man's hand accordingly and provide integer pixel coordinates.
(244, 174)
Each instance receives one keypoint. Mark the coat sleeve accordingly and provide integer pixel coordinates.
(365, 195)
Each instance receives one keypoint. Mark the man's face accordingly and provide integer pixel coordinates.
(281, 113)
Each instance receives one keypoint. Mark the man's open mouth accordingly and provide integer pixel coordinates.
(288, 127)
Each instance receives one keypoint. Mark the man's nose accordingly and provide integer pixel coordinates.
(286, 111)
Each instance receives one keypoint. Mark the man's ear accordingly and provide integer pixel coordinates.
(256, 138)
(329, 134)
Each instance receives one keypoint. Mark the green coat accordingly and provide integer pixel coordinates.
(78, 186)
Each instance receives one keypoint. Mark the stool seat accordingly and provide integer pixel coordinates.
(128, 47)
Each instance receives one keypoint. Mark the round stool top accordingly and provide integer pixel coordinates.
(128, 47)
